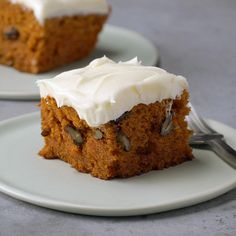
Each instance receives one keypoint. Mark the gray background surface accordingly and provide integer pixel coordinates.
(195, 39)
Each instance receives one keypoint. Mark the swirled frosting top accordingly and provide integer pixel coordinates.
(44, 9)
(104, 90)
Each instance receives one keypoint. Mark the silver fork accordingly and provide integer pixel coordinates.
(218, 145)
(201, 138)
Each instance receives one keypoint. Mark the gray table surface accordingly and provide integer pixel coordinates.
(196, 39)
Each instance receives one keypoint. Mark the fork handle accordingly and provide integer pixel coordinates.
(224, 151)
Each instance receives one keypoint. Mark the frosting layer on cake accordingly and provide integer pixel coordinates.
(44, 9)
(104, 90)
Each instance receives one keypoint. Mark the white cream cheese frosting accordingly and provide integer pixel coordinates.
(104, 90)
(44, 9)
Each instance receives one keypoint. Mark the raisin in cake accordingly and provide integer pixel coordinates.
(115, 119)
(39, 35)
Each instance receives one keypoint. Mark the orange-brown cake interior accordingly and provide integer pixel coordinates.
(31, 47)
(128, 146)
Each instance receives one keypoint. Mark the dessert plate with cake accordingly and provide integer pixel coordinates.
(40, 39)
(114, 142)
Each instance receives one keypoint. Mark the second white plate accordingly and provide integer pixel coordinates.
(54, 184)
(114, 42)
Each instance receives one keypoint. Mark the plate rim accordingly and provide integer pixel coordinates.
(21, 96)
(64, 206)
(111, 211)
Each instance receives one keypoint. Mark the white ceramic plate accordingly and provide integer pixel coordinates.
(114, 42)
(54, 184)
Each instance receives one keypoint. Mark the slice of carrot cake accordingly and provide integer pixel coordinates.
(115, 119)
(39, 35)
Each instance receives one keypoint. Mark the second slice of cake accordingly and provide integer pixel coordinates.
(39, 35)
(115, 119)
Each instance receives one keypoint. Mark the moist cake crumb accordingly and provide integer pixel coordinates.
(147, 137)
